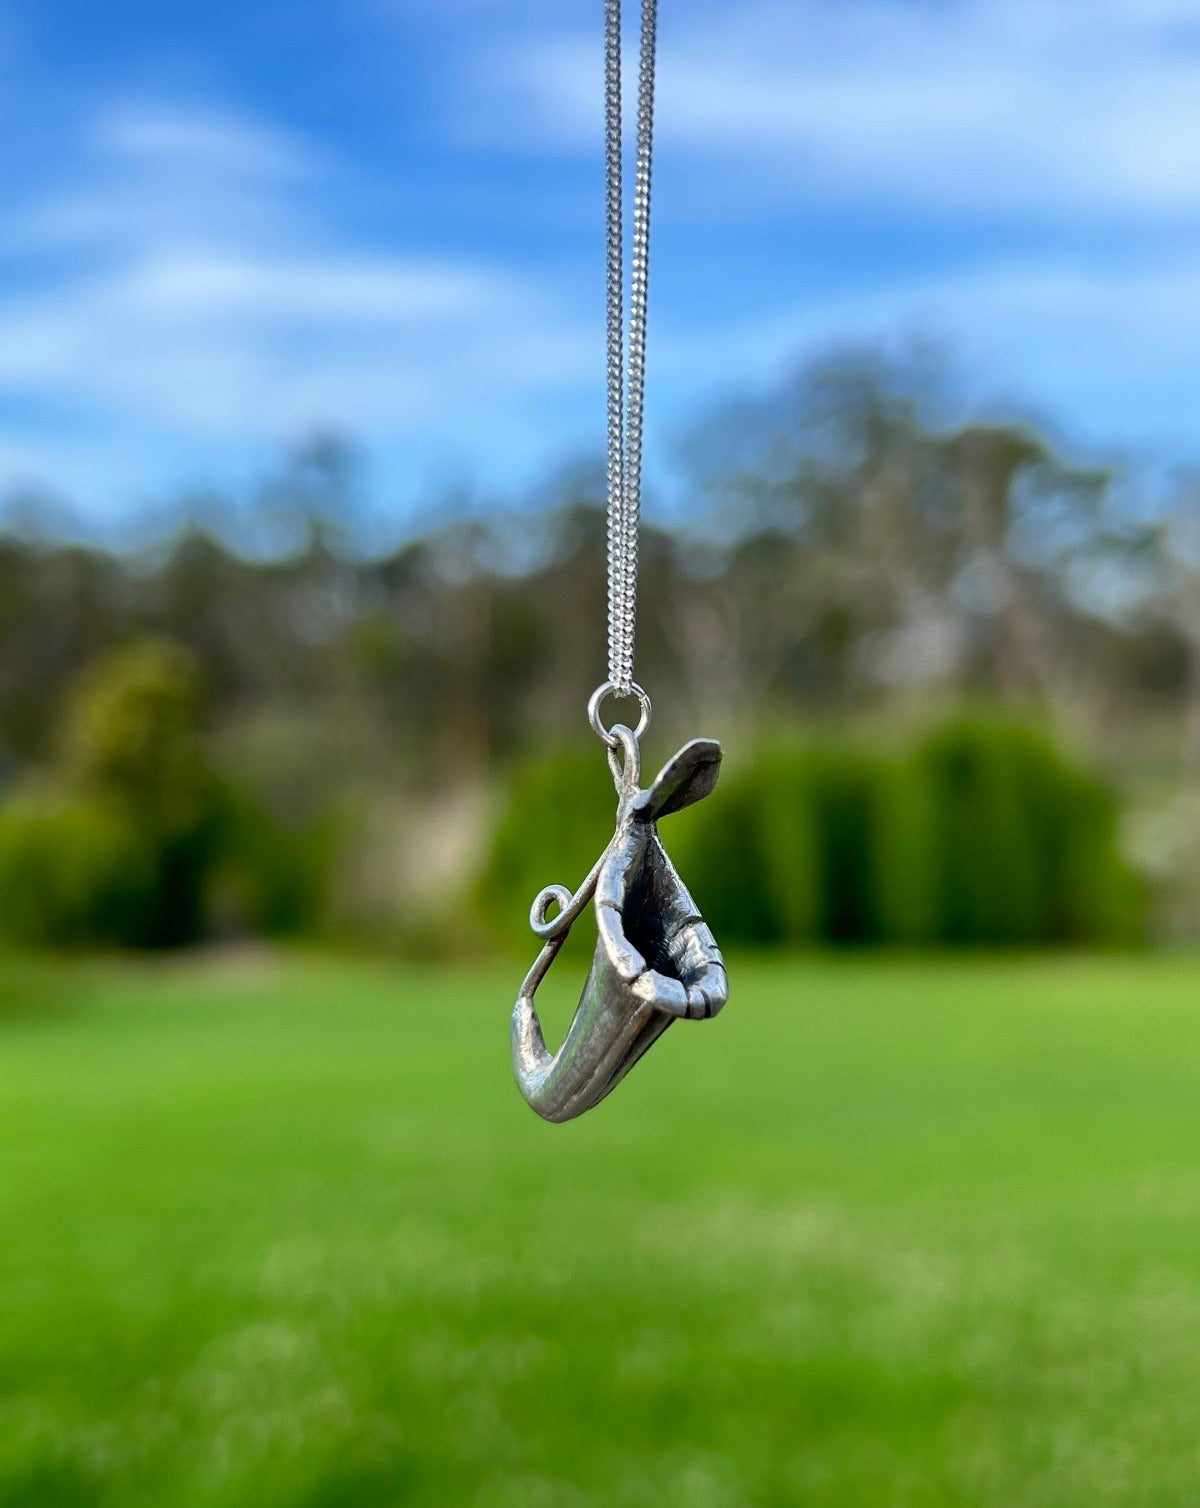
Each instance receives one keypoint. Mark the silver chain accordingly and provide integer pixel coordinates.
(626, 382)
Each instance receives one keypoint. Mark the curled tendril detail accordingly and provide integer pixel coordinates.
(570, 907)
(543, 925)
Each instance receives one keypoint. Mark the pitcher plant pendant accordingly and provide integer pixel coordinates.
(655, 959)
(655, 962)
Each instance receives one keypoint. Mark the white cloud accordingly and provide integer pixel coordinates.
(1035, 105)
(156, 175)
(192, 288)
(202, 140)
(198, 293)
(314, 289)
(254, 348)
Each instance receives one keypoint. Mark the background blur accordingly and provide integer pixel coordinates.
(301, 599)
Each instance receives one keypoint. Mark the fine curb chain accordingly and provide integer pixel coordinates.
(626, 382)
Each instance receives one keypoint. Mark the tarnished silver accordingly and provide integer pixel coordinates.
(626, 379)
(655, 961)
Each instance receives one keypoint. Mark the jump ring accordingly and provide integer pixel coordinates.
(609, 689)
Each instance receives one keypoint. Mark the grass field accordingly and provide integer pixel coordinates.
(282, 1234)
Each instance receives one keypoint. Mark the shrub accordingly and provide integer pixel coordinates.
(748, 854)
(133, 745)
(267, 878)
(984, 834)
(147, 847)
(133, 735)
(1025, 841)
(73, 873)
(557, 817)
(813, 843)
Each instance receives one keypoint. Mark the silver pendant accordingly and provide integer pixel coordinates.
(655, 962)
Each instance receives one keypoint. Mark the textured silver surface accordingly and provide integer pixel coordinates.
(655, 961)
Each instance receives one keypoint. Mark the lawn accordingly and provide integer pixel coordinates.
(282, 1234)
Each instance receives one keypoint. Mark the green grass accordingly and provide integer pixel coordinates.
(910, 1233)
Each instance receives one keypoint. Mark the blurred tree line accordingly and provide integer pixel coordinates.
(851, 559)
(976, 831)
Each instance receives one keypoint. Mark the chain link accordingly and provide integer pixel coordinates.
(626, 382)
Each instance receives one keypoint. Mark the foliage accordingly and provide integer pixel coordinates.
(855, 550)
(1025, 843)
(268, 878)
(133, 734)
(557, 816)
(145, 844)
(851, 543)
(74, 872)
(983, 834)
(817, 842)
(133, 742)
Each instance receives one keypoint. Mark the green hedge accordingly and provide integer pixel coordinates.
(73, 872)
(556, 819)
(981, 833)
(78, 872)
(819, 843)
(142, 843)
(1025, 841)
(265, 877)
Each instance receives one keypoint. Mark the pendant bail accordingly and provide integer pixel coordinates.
(624, 757)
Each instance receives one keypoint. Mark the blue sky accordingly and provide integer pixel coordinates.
(227, 224)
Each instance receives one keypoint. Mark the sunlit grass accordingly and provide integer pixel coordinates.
(884, 1233)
